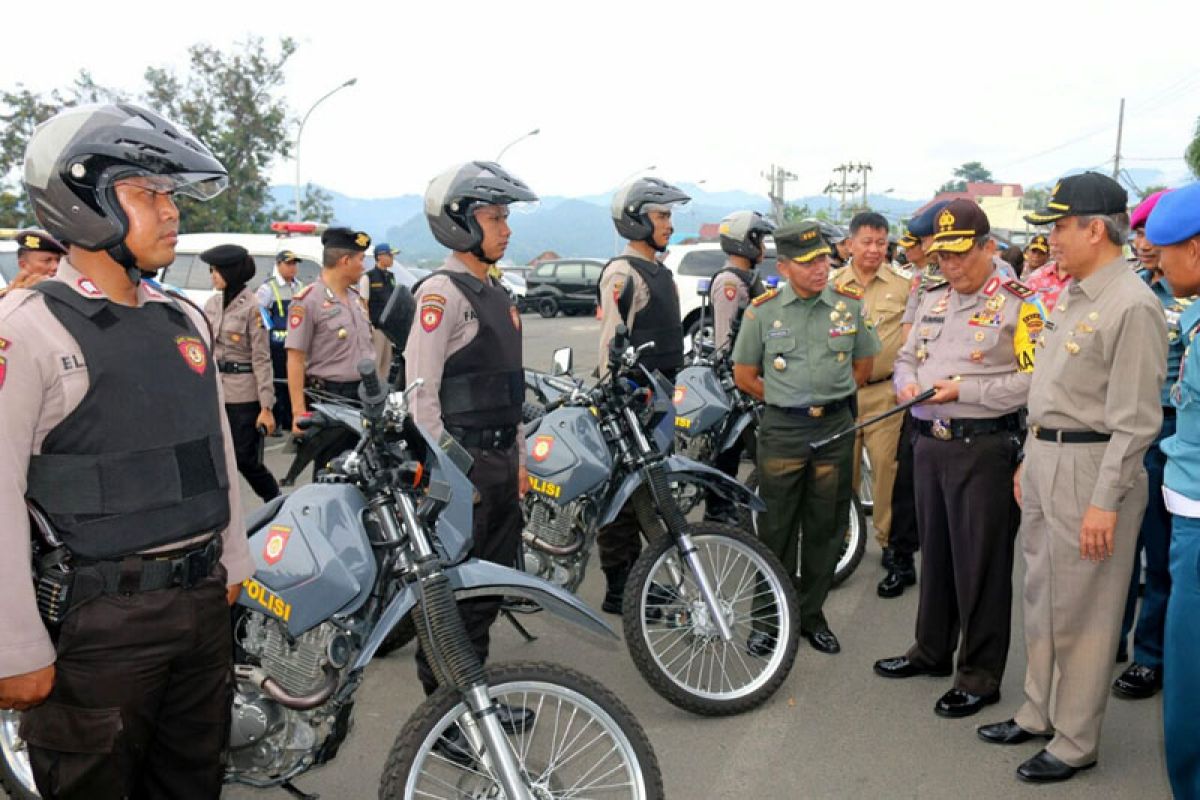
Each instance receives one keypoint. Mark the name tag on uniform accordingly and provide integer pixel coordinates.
(933, 319)
(779, 333)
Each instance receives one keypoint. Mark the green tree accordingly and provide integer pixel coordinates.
(1149, 190)
(1192, 154)
(794, 213)
(316, 205)
(970, 172)
(1035, 198)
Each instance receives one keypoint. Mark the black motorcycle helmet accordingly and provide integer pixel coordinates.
(629, 212)
(73, 160)
(452, 196)
(742, 234)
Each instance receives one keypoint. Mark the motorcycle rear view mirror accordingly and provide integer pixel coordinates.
(563, 361)
(702, 287)
(397, 317)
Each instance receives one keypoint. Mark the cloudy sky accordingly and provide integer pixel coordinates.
(704, 91)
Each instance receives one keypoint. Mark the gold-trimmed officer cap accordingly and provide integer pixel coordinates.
(957, 226)
(1039, 243)
(346, 239)
(801, 242)
(908, 240)
(40, 241)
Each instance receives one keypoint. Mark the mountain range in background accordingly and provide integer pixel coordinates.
(580, 226)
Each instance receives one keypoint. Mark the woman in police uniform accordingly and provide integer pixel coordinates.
(243, 354)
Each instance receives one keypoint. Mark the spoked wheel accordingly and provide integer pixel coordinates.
(582, 742)
(676, 643)
(854, 543)
(16, 776)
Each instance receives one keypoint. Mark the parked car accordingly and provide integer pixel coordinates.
(567, 285)
(694, 266)
(8, 261)
(191, 276)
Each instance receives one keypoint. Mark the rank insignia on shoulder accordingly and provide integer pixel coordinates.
(1019, 289)
(764, 297)
(850, 290)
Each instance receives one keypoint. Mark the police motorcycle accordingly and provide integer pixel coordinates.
(712, 415)
(385, 534)
(699, 593)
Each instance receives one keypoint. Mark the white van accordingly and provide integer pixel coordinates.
(191, 276)
(693, 266)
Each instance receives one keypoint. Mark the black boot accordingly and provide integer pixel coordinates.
(901, 573)
(616, 578)
(888, 555)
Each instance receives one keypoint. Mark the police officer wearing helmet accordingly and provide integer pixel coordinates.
(244, 360)
(113, 427)
(465, 344)
(275, 298)
(637, 290)
(732, 289)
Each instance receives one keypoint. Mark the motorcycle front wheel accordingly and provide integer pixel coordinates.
(676, 644)
(16, 776)
(582, 742)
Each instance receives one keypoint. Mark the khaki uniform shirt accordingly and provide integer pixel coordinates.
(883, 302)
(43, 379)
(729, 296)
(242, 339)
(612, 283)
(984, 340)
(1100, 366)
(445, 323)
(335, 336)
(805, 348)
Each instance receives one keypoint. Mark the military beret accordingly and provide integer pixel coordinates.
(957, 226)
(801, 242)
(1080, 195)
(1039, 242)
(1142, 213)
(38, 239)
(346, 239)
(286, 255)
(1176, 218)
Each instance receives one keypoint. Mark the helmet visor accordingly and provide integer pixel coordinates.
(197, 185)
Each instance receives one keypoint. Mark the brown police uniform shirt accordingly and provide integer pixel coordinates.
(612, 283)
(883, 299)
(1101, 362)
(241, 338)
(984, 340)
(729, 296)
(43, 378)
(445, 323)
(334, 336)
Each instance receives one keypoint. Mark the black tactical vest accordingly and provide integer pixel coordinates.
(483, 384)
(659, 321)
(382, 282)
(140, 463)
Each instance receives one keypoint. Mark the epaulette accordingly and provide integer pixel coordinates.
(901, 271)
(764, 297)
(1019, 289)
(303, 292)
(849, 290)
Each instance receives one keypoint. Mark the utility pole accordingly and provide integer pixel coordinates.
(1120, 129)
(845, 186)
(776, 177)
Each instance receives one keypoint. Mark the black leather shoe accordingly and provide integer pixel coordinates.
(1045, 768)
(902, 574)
(514, 719)
(452, 745)
(956, 703)
(1138, 682)
(1008, 732)
(823, 641)
(760, 644)
(901, 667)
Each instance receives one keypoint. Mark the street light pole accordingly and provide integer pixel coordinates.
(622, 182)
(520, 138)
(300, 132)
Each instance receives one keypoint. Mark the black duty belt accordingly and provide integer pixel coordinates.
(1068, 437)
(150, 572)
(485, 438)
(885, 378)
(347, 389)
(947, 429)
(235, 367)
(815, 411)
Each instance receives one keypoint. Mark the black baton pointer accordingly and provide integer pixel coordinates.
(828, 440)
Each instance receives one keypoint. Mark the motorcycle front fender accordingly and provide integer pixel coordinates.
(680, 467)
(735, 431)
(474, 577)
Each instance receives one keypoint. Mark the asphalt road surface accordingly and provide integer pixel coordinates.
(834, 730)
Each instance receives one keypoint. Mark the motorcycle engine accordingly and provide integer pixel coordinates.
(267, 739)
(554, 541)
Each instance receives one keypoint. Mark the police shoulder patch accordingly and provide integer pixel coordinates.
(764, 297)
(1019, 289)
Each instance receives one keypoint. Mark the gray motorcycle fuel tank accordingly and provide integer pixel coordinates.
(313, 559)
(566, 455)
(700, 401)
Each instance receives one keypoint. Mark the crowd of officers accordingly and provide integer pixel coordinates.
(1051, 399)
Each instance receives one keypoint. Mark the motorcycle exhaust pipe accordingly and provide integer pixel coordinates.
(271, 688)
(553, 549)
